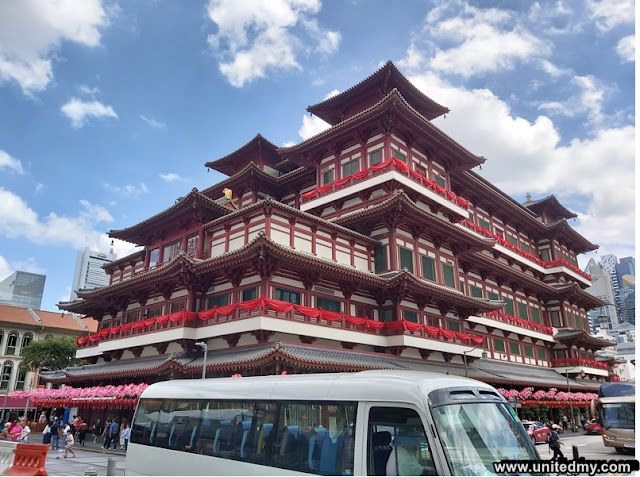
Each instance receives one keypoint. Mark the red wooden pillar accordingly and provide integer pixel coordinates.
(200, 249)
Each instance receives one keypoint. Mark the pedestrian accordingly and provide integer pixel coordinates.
(16, 431)
(565, 422)
(554, 443)
(123, 426)
(24, 434)
(114, 433)
(55, 435)
(82, 433)
(46, 434)
(127, 435)
(68, 444)
(97, 430)
(105, 433)
(5, 435)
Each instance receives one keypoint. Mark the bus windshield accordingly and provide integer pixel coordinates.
(475, 435)
(619, 415)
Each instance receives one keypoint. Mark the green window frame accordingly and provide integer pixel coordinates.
(453, 326)
(327, 177)
(406, 259)
(288, 295)
(400, 156)
(545, 254)
(512, 240)
(528, 351)
(542, 354)
(380, 258)
(514, 348)
(410, 316)
(449, 275)
(523, 311)
(375, 157)
(484, 223)
(498, 345)
(328, 304)
(535, 315)
(350, 168)
(525, 247)
(570, 323)
(476, 292)
(249, 294)
(493, 296)
(508, 308)
(440, 180)
(218, 300)
(429, 268)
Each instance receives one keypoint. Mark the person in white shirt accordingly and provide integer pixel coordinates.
(24, 435)
(68, 444)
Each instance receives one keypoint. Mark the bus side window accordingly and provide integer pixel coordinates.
(397, 443)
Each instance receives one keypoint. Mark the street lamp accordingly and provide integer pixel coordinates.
(466, 369)
(203, 345)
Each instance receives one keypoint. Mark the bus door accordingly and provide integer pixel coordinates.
(397, 442)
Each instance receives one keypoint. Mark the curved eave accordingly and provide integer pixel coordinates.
(292, 211)
(386, 78)
(574, 291)
(471, 180)
(257, 147)
(192, 203)
(492, 265)
(570, 337)
(440, 293)
(146, 278)
(549, 202)
(581, 244)
(402, 202)
(251, 171)
(392, 107)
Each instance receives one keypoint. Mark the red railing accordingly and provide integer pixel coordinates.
(590, 363)
(520, 322)
(277, 309)
(528, 255)
(376, 170)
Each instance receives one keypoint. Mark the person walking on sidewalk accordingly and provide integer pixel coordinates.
(114, 435)
(55, 439)
(68, 446)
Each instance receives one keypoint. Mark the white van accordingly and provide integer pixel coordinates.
(366, 423)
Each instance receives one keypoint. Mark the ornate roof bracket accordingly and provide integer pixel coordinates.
(425, 353)
(232, 340)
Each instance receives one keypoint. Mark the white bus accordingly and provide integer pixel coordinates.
(365, 423)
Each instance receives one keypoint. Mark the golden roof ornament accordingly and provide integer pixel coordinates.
(228, 193)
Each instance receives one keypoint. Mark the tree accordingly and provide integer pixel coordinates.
(52, 354)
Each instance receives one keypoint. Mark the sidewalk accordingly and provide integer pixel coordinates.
(89, 455)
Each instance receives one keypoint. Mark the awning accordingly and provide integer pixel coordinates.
(16, 403)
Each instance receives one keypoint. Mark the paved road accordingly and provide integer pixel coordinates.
(589, 447)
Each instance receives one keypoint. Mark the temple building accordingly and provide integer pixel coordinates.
(373, 244)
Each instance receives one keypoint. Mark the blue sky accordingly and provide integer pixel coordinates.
(109, 109)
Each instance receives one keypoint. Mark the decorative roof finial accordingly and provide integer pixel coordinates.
(528, 197)
(228, 193)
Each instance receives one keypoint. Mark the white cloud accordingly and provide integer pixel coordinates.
(588, 101)
(611, 13)
(11, 163)
(128, 190)
(254, 37)
(87, 90)
(79, 111)
(524, 156)
(171, 177)
(152, 122)
(312, 125)
(626, 49)
(32, 30)
(483, 40)
(19, 221)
